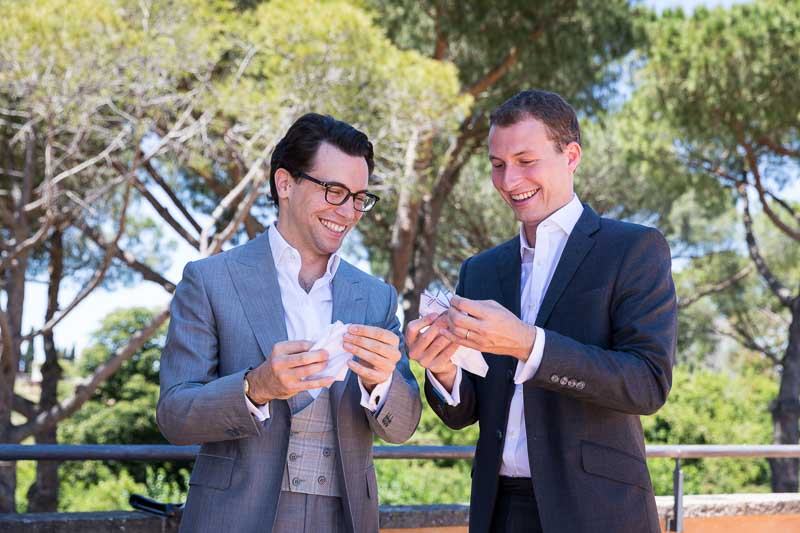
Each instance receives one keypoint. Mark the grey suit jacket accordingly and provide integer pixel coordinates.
(610, 321)
(226, 316)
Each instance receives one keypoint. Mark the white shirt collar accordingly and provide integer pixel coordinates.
(283, 252)
(564, 219)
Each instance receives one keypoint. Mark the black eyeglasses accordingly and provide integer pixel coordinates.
(337, 193)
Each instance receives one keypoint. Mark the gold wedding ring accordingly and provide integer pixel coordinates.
(466, 337)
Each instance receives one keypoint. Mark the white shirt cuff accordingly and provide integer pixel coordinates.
(377, 398)
(527, 370)
(451, 399)
(261, 413)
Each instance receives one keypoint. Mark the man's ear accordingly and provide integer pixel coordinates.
(573, 151)
(283, 182)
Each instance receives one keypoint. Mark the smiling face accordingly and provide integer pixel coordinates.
(529, 171)
(308, 222)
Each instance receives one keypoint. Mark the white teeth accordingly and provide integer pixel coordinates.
(331, 226)
(523, 196)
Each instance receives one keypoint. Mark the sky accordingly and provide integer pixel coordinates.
(74, 331)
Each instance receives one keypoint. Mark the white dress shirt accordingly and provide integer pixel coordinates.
(538, 267)
(308, 313)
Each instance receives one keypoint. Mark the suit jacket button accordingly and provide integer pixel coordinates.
(580, 385)
(564, 381)
(321, 480)
(296, 482)
(554, 378)
(293, 457)
(327, 452)
(499, 434)
(571, 383)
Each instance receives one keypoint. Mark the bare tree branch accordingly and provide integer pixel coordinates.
(777, 148)
(128, 258)
(779, 289)
(50, 417)
(24, 406)
(101, 272)
(746, 340)
(257, 176)
(172, 196)
(714, 288)
(752, 161)
(166, 215)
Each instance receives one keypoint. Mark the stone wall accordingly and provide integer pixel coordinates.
(728, 513)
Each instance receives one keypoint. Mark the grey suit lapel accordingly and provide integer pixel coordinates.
(256, 280)
(578, 245)
(350, 307)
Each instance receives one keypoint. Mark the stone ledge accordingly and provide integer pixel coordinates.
(392, 517)
(707, 505)
(97, 522)
(420, 516)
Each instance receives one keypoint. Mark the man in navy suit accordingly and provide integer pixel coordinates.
(577, 318)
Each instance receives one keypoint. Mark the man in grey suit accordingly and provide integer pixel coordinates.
(284, 450)
(576, 317)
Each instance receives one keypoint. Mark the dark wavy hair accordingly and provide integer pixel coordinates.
(296, 151)
(557, 115)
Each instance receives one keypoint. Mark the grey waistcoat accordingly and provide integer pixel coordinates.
(311, 457)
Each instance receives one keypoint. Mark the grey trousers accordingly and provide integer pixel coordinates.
(309, 513)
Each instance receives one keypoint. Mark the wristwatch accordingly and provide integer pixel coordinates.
(247, 388)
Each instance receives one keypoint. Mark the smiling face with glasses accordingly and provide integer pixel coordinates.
(316, 213)
(337, 193)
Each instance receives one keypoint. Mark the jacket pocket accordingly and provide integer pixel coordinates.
(212, 471)
(372, 483)
(614, 464)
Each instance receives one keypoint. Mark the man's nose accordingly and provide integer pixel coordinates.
(346, 210)
(512, 178)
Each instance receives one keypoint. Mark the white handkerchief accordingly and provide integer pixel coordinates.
(331, 340)
(467, 358)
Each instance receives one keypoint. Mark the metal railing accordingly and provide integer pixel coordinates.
(157, 452)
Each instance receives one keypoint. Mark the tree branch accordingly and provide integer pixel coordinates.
(777, 148)
(752, 161)
(101, 272)
(172, 196)
(128, 258)
(512, 56)
(49, 418)
(746, 340)
(256, 175)
(778, 289)
(713, 288)
(23, 406)
(165, 215)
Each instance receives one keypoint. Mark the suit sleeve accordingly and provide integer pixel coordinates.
(196, 405)
(466, 412)
(398, 417)
(635, 374)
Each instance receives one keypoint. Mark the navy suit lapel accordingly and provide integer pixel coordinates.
(256, 280)
(509, 268)
(578, 245)
(350, 307)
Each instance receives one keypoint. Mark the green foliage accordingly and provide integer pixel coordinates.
(122, 411)
(706, 407)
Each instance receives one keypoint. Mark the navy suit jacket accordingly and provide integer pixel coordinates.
(610, 321)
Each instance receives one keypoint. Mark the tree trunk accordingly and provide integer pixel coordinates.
(786, 409)
(43, 493)
(15, 289)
